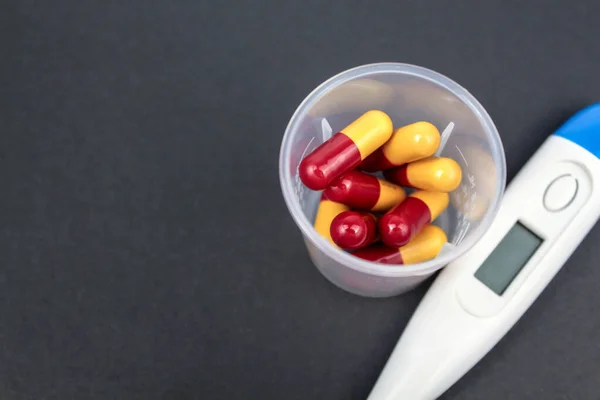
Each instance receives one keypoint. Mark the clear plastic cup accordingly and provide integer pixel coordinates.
(407, 93)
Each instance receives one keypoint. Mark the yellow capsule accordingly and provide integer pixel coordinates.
(436, 174)
(407, 144)
(425, 246)
(370, 131)
(326, 212)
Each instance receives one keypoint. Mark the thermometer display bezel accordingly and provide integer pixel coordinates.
(504, 263)
(524, 205)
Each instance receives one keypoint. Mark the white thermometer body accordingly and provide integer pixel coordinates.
(548, 208)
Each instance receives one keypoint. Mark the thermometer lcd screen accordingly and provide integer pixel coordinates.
(508, 258)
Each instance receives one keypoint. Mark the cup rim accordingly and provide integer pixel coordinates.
(347, 259)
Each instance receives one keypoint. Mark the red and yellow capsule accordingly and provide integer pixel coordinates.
(326, 212)
(363, 191)
(403, 222)
(436, 174)
(345, 150)
(425, 246)
(409, 143)
(353, 230)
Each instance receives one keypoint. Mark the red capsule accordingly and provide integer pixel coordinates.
(380, 253)
(353, 230)
(363, 191)
(345, 150)
(407, 219)
(326, 212)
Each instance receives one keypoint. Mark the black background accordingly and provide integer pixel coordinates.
(143, 235)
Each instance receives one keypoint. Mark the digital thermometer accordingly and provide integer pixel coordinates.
(547, 209)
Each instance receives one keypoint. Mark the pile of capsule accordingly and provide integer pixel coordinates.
(373, 218)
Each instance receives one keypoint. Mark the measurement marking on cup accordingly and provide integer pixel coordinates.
(462, 155)
(446, 248)
(464, 232)
(326, 130)
(471, 179)
(444, 138)
(473, 197)
(306, 149)
(299, 188)
(464, 227)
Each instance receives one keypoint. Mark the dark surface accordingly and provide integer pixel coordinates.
(143, 236)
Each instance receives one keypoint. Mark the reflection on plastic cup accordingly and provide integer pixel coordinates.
(413, 103)
(473, 196)
(357, 95)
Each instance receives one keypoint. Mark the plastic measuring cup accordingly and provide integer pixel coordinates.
(408, 94)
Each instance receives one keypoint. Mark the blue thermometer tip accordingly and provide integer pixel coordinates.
(583, 129)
